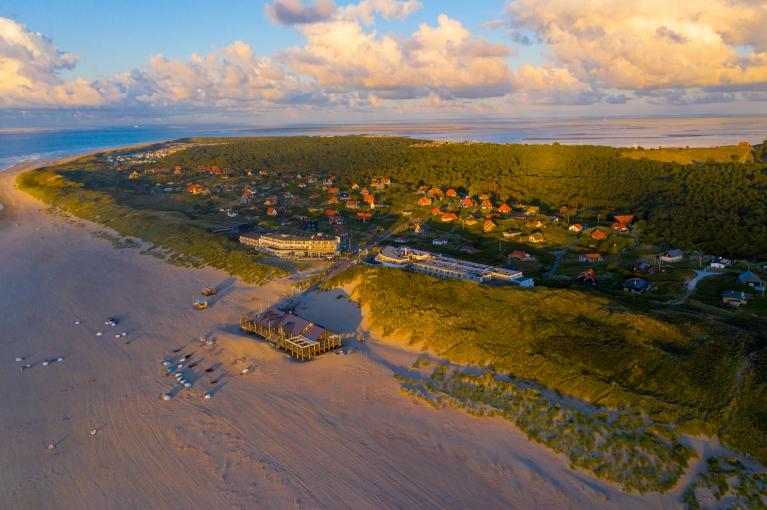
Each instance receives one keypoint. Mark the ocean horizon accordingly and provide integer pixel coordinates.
(36, 144)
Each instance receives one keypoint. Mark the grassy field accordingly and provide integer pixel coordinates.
(671, 363)
(692, 156)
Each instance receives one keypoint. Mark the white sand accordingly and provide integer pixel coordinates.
(332, 433)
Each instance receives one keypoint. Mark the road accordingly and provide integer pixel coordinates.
(560, 254)
(700, 274)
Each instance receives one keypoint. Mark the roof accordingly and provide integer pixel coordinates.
(504, 208)
(591, 256)
(598, 234)
(635, 283)
(588, 274)
(673, 253)
(749, 277)
(626, 219)
(449, 216)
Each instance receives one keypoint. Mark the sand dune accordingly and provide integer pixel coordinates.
(331, 433)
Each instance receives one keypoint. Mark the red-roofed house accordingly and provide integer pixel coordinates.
(334, 191)
(425, 201)
(364, 216)
(451, 193)
(271, 211)
(516, 254)
(337, 220)
(625, 219)
(449, 217)
(467, 202)
(588, 276)
(619, 227)
(489, 225)
(487, 204)
(437, 211)
(576, 228)
(598, 235)
(369, 199)
(333, 200)
(505, 208)
(331, 212)
(590, 257)
(352, 204)
(436, 192)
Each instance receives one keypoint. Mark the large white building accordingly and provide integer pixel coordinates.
(441, 266)
(298, 247)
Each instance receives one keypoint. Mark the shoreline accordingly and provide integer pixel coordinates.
(34, 165)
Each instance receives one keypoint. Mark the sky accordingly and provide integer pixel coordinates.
(245, 62)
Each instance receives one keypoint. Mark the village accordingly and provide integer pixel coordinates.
(306, 217)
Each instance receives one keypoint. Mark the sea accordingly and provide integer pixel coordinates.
(23, 145)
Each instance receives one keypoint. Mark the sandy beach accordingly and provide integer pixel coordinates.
(335, 432)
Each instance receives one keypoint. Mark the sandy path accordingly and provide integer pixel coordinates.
(332, 433)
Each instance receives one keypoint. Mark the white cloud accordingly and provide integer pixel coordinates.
(650, 44)
(29, 63)
(389, 9)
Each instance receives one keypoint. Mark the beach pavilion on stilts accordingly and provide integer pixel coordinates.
(299, 337)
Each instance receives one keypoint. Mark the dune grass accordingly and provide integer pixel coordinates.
(82, 190)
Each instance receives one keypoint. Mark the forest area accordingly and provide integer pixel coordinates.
(713, 207)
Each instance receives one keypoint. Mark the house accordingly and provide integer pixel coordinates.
(312, 225)
(271, 211)
(337, 220)
(369, 199)
(353, 204)
(301, 184)
(750, 279)
(588, 276)
(467, 202)
(437, 212)
(471, 220)
(339, 231)
(619, 228)
(285, 222)
(488, 225)
(626, 219)
(533, 209)
(512, 233)
(525, 281)
(364, 191)
(449, 217)
(425, 201)
(734, 298)
(440, 241)
(385, 181)
(484, 196)
(598, 235)
(314, 195)
(436, 192)
(505, 208)
(333, 200)
(245, 199)
(194, 188)
(375, 230)
(590, 257)
(575, 228)
(486, 204)
(364, 217)
(450, 193)
(516, 254)
(402, 239)
(535, 224)
(744, 144)
(334, 191)
(355, 186)
(640, 268)
(635, 286)
(263, 172)
(720, 263)
(133, 175)
(422, 190)
(672, 256)
(536, 238)
(492, 215)
(519, 217)
(331, 213)
(470, 250)
(409, 212)
(313, 209)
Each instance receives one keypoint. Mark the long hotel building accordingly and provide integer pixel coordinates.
(296, 247)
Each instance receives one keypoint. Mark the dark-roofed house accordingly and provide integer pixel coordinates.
(375, 229)
(672, 256)
(750, 279)
(640, 268)
(635, 285)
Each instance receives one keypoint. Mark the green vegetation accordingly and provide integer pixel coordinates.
(621, 448)
(716, 208)
(665, 362)
(89, 191)
(727, 480)
(692, 156)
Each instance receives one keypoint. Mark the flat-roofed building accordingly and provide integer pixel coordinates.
(299, 247)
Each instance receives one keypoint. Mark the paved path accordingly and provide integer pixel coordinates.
(561, 254)
(700, 274)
